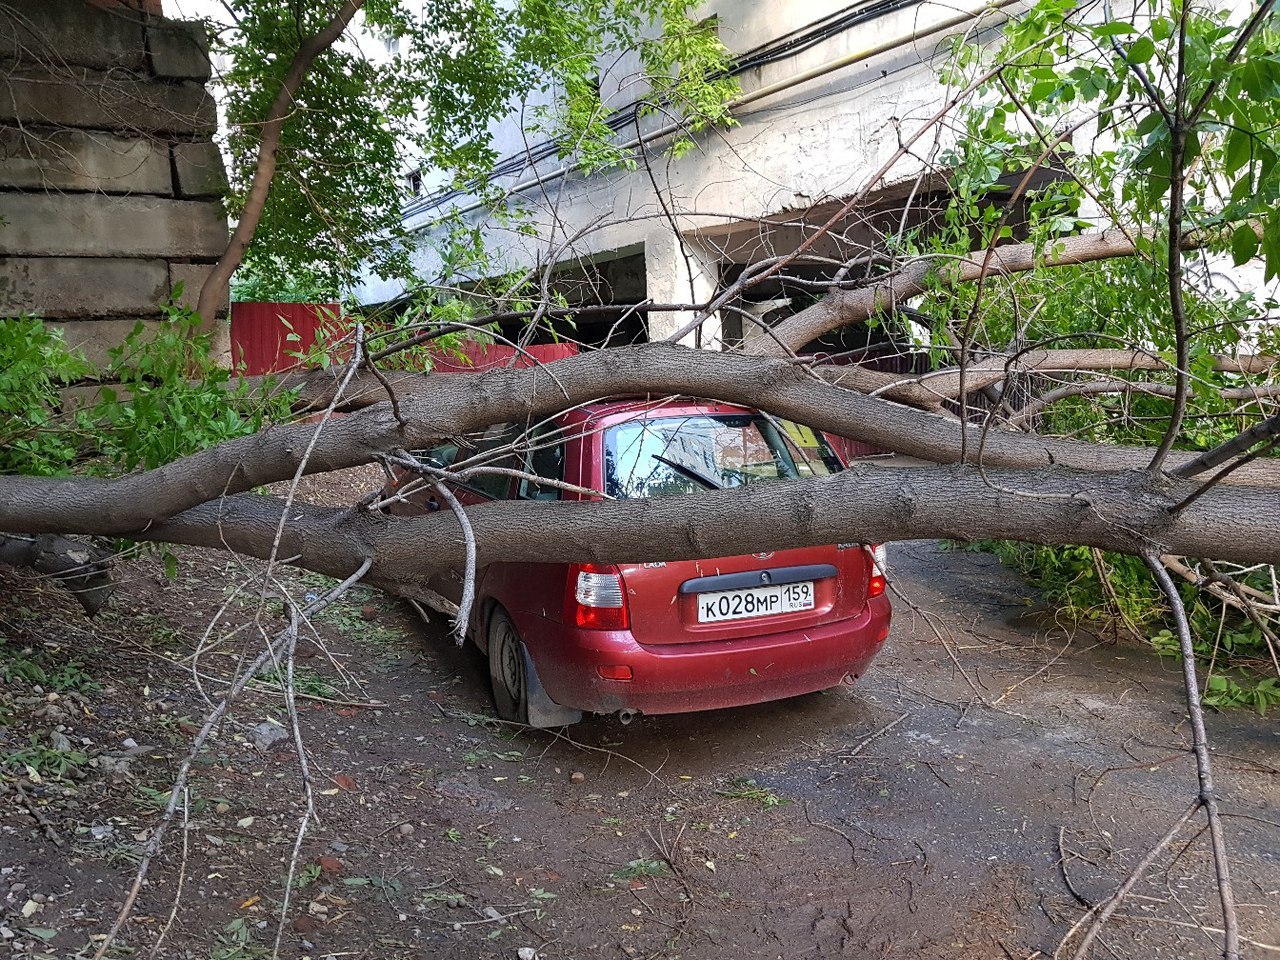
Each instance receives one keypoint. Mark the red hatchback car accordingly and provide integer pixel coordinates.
(661, 637)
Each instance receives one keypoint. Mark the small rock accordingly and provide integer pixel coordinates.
(577, 777)
(221, 807)
(457, 927)
(369, 613)
(60, 742)
(330, 867)
(266, 733)
(406, 829)
(339, 847)
(128, 743)
(527, 953)
(492, 913)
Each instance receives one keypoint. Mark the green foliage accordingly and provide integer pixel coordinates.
(35, 366)
(235, 942)
(159, 397)
(42, 668)
(744, 788)
(267, 280)
(38, 760)
(454, 68)
(1110, 590)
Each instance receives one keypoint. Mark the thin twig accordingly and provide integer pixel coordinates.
(1200, 745)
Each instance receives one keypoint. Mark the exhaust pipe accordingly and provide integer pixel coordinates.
(626, 716)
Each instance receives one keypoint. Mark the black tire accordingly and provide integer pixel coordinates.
(507, 675)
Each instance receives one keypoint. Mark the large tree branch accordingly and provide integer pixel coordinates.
(1124, 511)
(83, 569)
(265, 169)
(446, 405)
(843, 307)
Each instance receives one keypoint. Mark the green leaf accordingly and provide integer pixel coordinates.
(1114, 29)
(1244, 244)
(1143, 49)
(1239, 148)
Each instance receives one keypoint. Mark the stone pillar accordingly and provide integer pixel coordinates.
(680, 270)
(111, 187)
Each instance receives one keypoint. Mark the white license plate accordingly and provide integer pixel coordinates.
(755, 602)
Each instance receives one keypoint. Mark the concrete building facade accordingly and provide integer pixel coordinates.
(829, 92)
(111, 184)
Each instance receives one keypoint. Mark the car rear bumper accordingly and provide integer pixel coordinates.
(676, 678)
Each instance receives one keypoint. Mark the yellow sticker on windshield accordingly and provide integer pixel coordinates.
(802, 435)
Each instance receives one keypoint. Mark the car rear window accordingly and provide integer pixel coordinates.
(670, 456)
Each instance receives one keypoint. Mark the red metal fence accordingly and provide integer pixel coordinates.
(274, 337)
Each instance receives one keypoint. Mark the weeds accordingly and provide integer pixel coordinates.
(638, 869)
(1116, 591)
(235, 942)
(305, 681)
(42, 668)
(40, 762)
(742, 788)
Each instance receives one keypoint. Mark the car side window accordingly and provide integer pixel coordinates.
(496, 486)
(442, 456)
(545, 458)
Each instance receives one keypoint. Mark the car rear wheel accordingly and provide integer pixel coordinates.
(506, 669)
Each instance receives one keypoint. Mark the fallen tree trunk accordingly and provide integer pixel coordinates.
(446, 405)
(81, 568)
(1126, 511)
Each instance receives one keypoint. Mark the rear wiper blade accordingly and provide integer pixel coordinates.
(689, 472)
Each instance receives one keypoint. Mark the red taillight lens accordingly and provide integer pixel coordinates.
(595, 598)
(877, 561)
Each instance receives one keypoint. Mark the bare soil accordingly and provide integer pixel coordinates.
(970, 798)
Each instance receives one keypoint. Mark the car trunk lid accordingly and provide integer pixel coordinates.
(696, 601)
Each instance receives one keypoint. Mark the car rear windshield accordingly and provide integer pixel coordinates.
(669, 456)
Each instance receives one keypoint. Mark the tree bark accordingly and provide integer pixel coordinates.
(446, 405)
(265, 169)
(843, 307)
(81, 568)
(1125, 511)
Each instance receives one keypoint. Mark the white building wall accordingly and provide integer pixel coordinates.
(812, 141)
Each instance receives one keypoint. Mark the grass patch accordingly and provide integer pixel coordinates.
(743, 788)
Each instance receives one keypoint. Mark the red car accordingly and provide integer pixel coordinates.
(662, 637)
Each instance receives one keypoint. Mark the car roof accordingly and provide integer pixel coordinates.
(624, 408)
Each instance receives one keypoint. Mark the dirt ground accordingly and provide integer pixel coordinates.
(969, 798)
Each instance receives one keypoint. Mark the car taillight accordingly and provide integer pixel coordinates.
(595, 597)
(879, 566)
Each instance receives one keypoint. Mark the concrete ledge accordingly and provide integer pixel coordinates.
(70, 32)
(192, 277)
(75, 287)
(179, 50)
(87, 99)
(94, 338)
(33, 158)
(198, 170)
(91, 225)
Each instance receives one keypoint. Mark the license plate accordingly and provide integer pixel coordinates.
(755, 602)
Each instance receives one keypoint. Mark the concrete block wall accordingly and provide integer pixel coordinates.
(111, 185)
